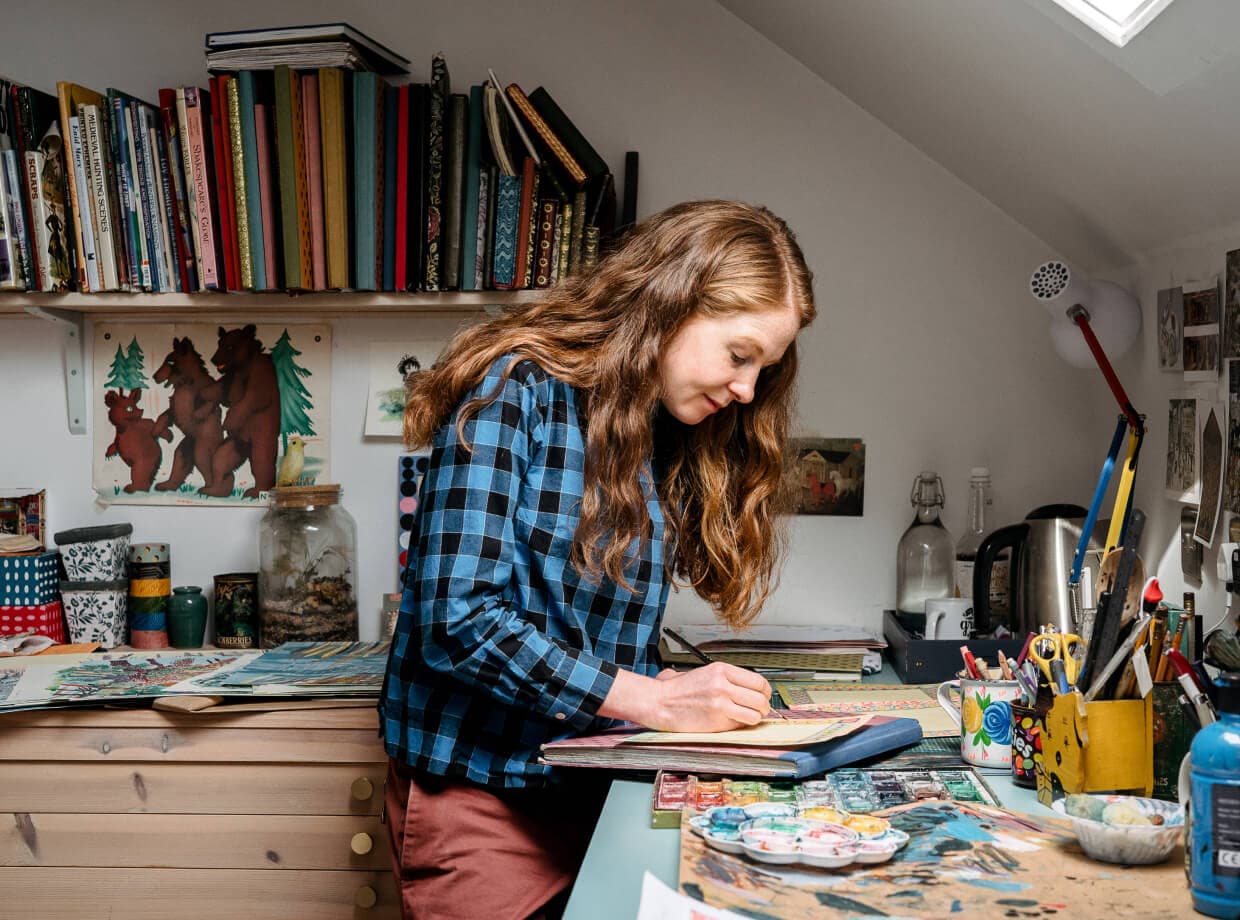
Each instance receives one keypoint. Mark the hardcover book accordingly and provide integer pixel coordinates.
(16, 272)
(336, 203)
(416, 199)
(71, 96)
(314, 177)
(294, 205)
(250, 180)
(44, 172)
(474, 193)
(86, 236)
(267, 194)
(175, 142)
(367, 167)
(441, 89)
(454, 190)
(236, 150)
(728, 753)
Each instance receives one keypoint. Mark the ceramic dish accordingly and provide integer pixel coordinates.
(1129, 844)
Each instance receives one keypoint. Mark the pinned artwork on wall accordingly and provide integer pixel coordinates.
(1171, 329)
(391, 365)
(1211, 475)
(827, 476)
(1201, 332)
(1231, 306)
(198, 414)
(1181, 481)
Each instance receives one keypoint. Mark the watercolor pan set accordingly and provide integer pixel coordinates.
(851, 790)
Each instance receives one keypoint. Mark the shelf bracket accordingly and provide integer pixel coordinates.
(70, 323)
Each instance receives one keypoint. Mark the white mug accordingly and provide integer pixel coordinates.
(949, 617)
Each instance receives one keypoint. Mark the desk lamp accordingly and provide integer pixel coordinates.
(1090, 319)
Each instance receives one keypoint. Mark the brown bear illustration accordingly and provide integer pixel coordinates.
(135, 439)
(248, 387)
(194, 409)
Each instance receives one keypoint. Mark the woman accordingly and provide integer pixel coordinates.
(626, 429)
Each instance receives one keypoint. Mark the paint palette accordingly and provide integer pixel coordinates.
(852, 791)
(817, 836)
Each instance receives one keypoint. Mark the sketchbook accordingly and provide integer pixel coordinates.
(615, 749)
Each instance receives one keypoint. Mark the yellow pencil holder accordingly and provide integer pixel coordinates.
(1109, 749)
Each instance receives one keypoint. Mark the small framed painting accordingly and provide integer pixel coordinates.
(827, 476)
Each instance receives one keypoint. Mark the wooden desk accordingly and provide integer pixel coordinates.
(145, 815)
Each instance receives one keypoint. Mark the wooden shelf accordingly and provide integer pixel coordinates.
(324, 303)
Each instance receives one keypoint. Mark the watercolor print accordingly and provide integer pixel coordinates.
(199, 414)
(391, 365)
(1211, 477)
(1201, 332)
(1171, 329)
(1231, 469)
(1181, 479)
(1231, 306)
(827, 475)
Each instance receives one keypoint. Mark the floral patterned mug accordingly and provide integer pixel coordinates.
(984, 715)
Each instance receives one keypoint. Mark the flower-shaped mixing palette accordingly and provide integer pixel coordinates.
(825, 838)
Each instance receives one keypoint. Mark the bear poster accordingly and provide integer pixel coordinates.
(201, 413)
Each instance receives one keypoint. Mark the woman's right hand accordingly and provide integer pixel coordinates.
(714, 698)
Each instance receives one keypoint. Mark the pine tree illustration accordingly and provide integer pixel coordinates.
(294, 397)
(118, 372)
(133, 366)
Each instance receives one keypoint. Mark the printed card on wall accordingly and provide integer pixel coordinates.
(827, 475)
(1201, 332)
(1231, 306)
(1211, 475)
(200, 414)
(1171, 329)
(390, 367)
(1181, 481)
(1231, 470)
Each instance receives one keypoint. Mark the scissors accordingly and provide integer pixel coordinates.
(1059, 655)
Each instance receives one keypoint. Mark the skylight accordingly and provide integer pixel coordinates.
(1118, 21)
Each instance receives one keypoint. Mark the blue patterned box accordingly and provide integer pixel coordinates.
(29, 581)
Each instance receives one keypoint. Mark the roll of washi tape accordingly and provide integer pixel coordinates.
(150, 589)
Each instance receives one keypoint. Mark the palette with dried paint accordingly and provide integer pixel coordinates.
(852, 790)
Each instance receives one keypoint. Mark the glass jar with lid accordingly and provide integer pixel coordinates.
(307, 579)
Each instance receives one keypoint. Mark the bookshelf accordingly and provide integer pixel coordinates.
(323, 304)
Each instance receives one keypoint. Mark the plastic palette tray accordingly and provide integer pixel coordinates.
(851, 790)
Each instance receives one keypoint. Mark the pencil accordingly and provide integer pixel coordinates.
(689, 646)
(1173, 641)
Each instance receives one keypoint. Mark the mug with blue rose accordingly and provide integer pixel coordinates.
(984, 714)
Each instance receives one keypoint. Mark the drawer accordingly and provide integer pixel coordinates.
(191, 744)
(194, 841)
(191, 788)
(197, 894)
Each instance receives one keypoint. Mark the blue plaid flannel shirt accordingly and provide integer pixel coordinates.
(501, 646)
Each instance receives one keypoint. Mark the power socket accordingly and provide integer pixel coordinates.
(1228, 558)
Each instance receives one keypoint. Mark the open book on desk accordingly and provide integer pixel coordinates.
(850, 741)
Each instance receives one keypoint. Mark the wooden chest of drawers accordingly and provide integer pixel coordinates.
(147, 815)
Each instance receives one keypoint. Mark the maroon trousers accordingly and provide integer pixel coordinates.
(462, 851)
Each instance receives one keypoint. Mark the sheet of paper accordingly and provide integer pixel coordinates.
(911, 702)
(776, 733)
(660, 902)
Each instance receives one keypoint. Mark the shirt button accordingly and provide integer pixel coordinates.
(561, 716)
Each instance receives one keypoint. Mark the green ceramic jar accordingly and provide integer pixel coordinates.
(187, 617)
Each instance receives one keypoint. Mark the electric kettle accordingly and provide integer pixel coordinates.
(1042, 546)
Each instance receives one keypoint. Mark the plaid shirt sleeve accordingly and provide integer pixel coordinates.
(468, 613)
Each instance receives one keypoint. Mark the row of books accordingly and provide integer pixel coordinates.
(286, 179)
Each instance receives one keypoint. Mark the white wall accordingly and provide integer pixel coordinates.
(1197, 258)
(927, 345)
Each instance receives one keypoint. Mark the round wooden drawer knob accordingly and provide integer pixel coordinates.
(365, 897)
(362, 788)
(361, 844)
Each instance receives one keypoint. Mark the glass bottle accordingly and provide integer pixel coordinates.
(307, 553)
(976, 530)
(925, 554)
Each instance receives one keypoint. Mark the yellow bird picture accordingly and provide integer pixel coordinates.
(289, 473)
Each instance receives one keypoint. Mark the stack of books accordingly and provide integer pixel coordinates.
(298, 167)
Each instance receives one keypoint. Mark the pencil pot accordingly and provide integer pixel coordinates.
(984, 714)
(1173, 736)
(1108, 749)
(1027, 741)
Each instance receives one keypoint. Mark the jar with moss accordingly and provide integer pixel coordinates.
(307, 579)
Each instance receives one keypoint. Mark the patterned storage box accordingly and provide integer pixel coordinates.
(45, 619)
(28, 581)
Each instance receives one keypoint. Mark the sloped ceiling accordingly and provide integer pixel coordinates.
(1104, 153)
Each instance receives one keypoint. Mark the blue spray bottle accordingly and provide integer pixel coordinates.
(1212, 847)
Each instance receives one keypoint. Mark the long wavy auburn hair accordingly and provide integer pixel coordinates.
(605, 333)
